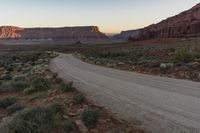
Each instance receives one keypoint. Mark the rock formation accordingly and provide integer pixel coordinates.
(185, 24)
(124, 35)
(73, 34)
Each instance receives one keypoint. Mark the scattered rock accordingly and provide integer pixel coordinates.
(98, 63)
(163, 66)
(195, 65)
(81, 126)
(91, 58)
(170, 65)
(120, 63)
(109, 65)
(71, 114)
(1, 68)
(154, 63)
(133, 67)
(94, 131)
(197, 60)
(66, 117)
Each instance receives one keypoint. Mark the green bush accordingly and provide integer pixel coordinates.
(19, 78)
(7, 77)
(30, 90)
(78, 99)
(184, 55)
(39, 83)
(13, 86)
(6, 87)
(14, 108)
(68, 126)
(34, 97)
(55, 75)
(20, 85)
(90, 117)
(67, 87)
(58, 80)
(7, 101)
(41, 119)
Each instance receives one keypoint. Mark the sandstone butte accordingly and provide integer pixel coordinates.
(185, 24)
(87, 33)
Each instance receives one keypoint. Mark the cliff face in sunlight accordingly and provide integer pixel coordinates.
(185, 24)
(66, 33)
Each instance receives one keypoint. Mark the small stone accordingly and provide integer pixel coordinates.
(195, 65)
(91, 58)
(163, 66)
(114, 65)
(98, 63)
(133, 68)
(170, 65)
(197, 60)
(94, 131)
(102, 121)
(120, 63)
(154, 63)
(66, 117)
(71, 114)
(109, 65)
(198, 77)
(81, 126)
(1, 68)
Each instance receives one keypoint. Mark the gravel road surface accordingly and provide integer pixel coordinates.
(157, 104)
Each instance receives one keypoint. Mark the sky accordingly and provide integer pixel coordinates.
(112, 16)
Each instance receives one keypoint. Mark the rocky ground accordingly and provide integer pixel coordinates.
(33, 99)
(177, 59)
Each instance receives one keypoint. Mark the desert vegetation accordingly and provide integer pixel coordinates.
(176, 59)
(35, 100)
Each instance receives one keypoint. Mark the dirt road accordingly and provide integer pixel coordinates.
(160, 105)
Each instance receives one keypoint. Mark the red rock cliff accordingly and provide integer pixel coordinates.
(185, 24)
(65, 33)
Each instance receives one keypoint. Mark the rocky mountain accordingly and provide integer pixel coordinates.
(185, 24)
(124, 35)
(73, 34)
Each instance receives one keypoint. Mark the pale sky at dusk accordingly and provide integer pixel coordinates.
(110, 15)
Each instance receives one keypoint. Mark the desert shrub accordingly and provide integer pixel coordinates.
(39, 83)
(26, 57)
(14, 108)
(13, 86)
(41, 119)
(29, 90)
(9, 68)
(7, 77)
(184, 55)
(19, 78)
(67, 87)
(58, 80)
(7, 101)
(78, 99)
(6, 87)
(39, 69)
(34, 97)
(55, 75)
(68, 126)
(90, 117)
(19, 85)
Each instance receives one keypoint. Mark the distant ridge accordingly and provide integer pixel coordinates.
(73, 34)
(185, 24)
